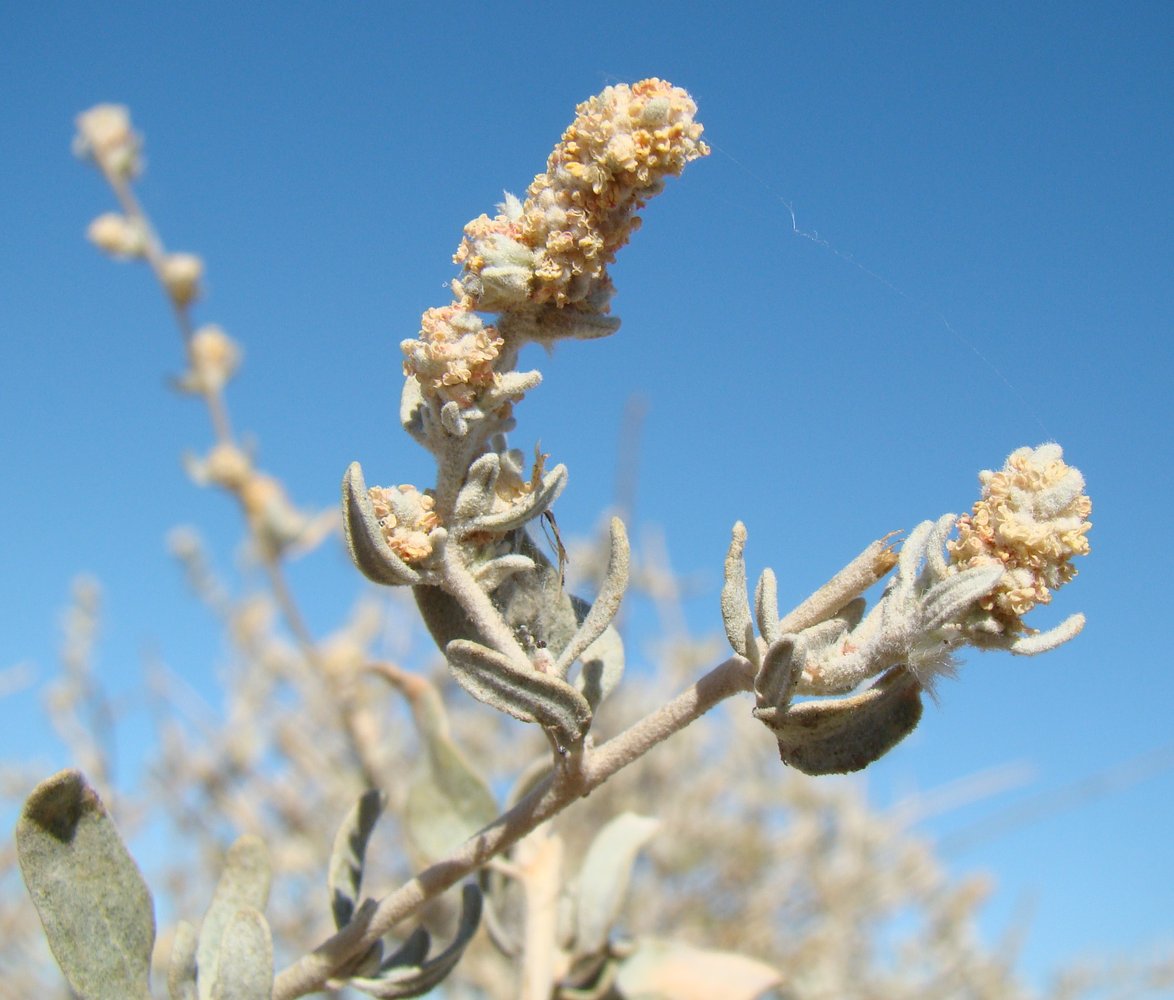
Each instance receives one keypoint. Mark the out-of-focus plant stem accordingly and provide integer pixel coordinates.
(549, 797)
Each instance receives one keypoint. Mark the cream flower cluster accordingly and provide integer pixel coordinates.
(453, 356)
(1032, 518)
(406, 519)
(556, 246)
(104, 134)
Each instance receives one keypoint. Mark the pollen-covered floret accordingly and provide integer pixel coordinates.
(406, 518)
(1032, 518)
(454, 354)
(556, 246)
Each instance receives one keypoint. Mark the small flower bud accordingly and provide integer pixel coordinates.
(214, 357)
(227, 466)
(116, 235)
(181, 277)
(104, 135)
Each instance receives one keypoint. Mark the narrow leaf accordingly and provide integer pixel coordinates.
(527, 507)
(1041, 642)
(944, 602)
(775, 680)
(607, 603)
(344, 876)
(604, 877)
(93, 903)
(364, 538)
(602, 667)
(448, 801)
(245, 967)
(847, 734)
(735, 599)
(399, 982)
(244, 884)
(766, 605)
(529, 695)
(476, 496)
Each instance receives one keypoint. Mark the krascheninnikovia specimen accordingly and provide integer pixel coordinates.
(538, 271)
(1012, 551)
(489, 596)
(488, 593)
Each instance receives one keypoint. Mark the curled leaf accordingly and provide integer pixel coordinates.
(94, 905)
(492, 574)
(529, 695)
(1041, 642)
(477, 494)
(344, 875)
(406, 974)
(525, 508)
(837, 736)
(364, 538)
(607, 603)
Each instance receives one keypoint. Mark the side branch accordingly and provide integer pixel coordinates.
(548, 798)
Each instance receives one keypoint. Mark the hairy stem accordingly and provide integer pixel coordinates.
(548, 798)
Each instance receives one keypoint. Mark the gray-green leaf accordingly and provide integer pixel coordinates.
(245, 968)
(735, 598)
(181, 965)
(243, 885)
(344, 876)
(671, 970)
(448, 801)
(603, 879)
(405, 974)
(529, 695)
(841, 735)
(93, 903)
(364, 538)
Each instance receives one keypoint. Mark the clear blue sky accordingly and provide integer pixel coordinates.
(990, 187)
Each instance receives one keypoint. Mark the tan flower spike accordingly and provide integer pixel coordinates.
(555, 247)
(1032, 519)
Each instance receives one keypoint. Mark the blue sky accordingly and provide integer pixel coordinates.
(979, 258)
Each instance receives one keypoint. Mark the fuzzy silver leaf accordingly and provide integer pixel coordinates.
(364, 538)
(735, 600)
(94, 905)
(528, 695)
(842, 735)
(344, 874)
(406, 973)
(244, 969)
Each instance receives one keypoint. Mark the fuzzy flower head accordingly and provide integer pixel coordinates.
(116, 235)
(406, 518)
(555, 247)
(104, 134)
(1032, 518)
(453, 356)
(213, 356)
